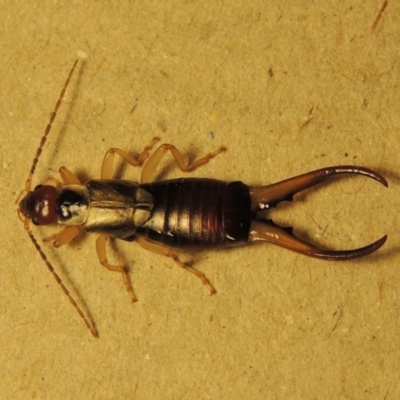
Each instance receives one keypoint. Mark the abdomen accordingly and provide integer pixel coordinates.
(198, 212)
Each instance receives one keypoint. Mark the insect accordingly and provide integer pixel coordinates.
(185, 213)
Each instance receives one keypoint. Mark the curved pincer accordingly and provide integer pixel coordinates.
(265, 197)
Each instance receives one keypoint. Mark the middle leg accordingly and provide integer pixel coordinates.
(154, 160)
(101, 253)
(108, 161)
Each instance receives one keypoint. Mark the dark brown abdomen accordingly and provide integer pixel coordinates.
(198, 212)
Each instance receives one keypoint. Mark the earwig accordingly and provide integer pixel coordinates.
(185, 213)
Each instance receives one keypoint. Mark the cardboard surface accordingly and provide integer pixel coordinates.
(288, 89)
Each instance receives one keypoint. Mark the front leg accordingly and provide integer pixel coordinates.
(67, 177)
(66, 235)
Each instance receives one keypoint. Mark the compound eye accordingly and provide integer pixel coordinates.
(40, 205)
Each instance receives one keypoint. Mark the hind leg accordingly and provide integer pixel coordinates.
(166, 251)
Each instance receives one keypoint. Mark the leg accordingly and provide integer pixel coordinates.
(66, 235)
(152, 163)
(165, 251)
(108, 161)
(101, 253)
(68, 178)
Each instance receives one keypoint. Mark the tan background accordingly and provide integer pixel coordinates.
(288, 87)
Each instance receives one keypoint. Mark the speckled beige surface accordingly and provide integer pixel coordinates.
(288, 89)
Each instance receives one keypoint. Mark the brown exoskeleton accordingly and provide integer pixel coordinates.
(185, 213)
